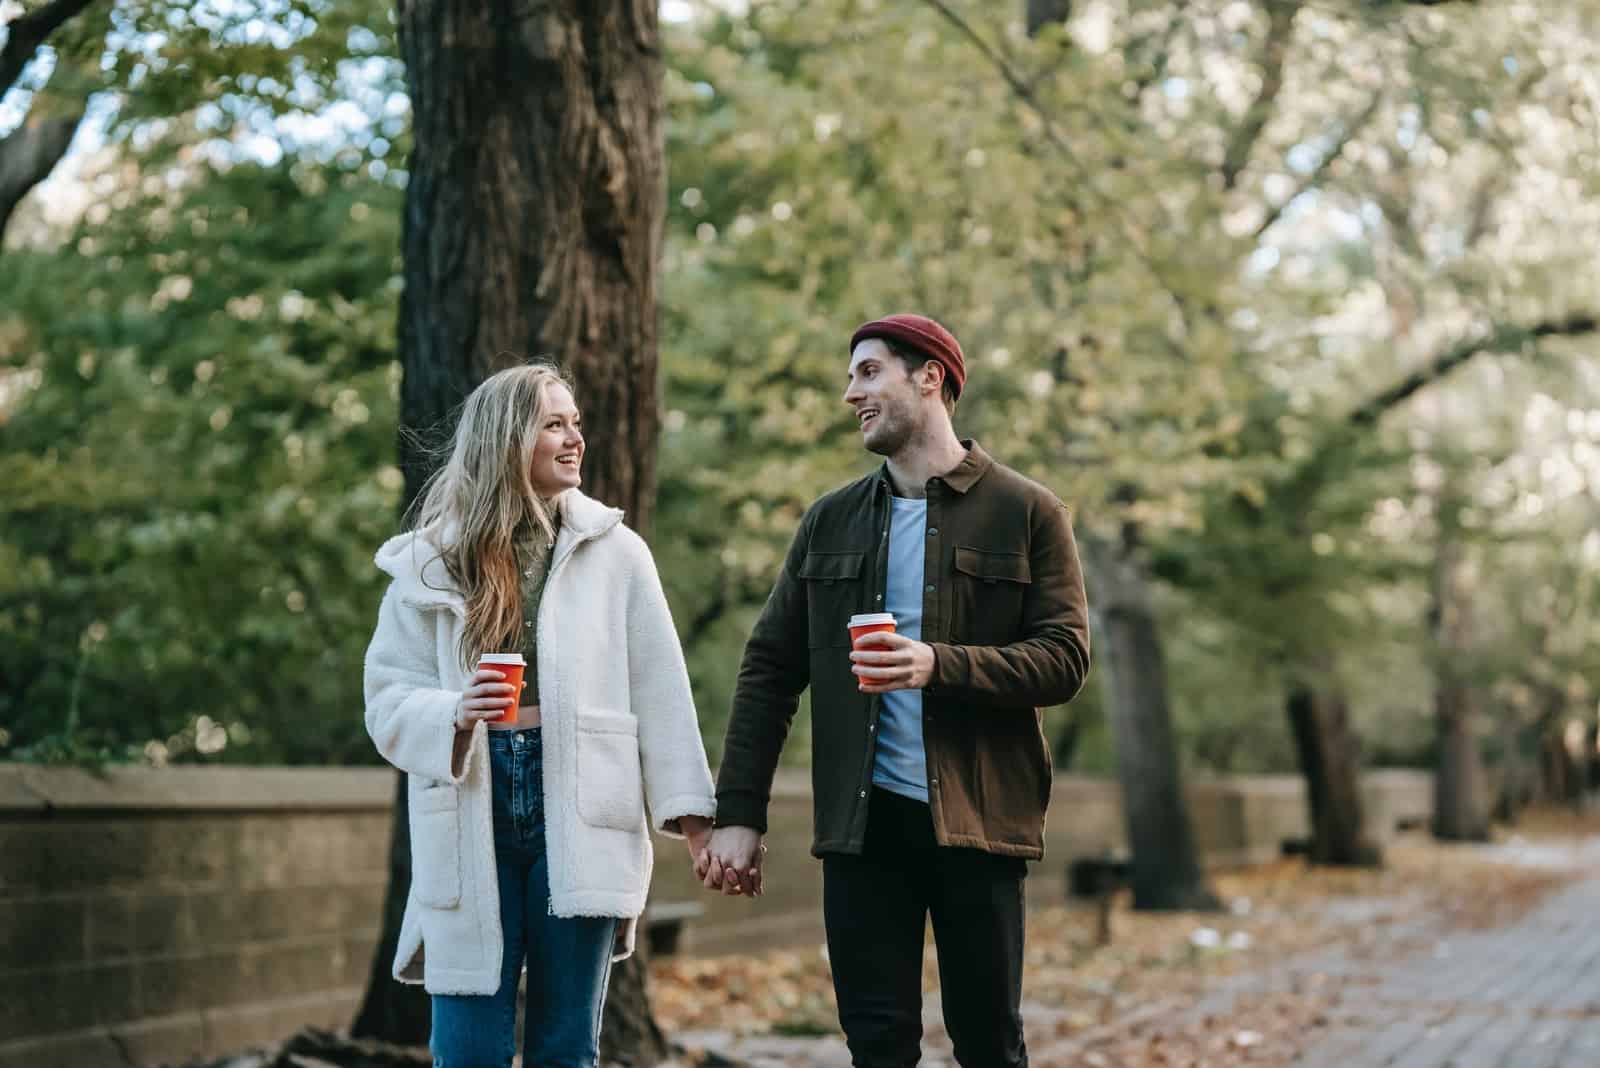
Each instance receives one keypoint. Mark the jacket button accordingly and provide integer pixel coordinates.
(863, 793)
(878, 598)
(928, 588)
(528, 625)
(932, 531)
(871, 727)
(933, 782)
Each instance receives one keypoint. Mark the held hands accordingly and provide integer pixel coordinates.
(731, 861)
(885, 661)
(486, 698)
(696, 835)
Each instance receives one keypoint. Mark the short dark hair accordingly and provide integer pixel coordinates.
(914, 359)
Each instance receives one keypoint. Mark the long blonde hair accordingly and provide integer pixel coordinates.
(473, 505)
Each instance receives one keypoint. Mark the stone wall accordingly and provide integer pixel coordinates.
(151, 917)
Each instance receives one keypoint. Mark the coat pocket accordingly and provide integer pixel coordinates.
(833, 593)
(610, 786)
(436, 846)
(989, 591)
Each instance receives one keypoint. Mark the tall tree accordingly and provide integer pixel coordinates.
(532, 227)
(1460, 792)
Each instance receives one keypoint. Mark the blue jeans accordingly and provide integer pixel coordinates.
(569, 958)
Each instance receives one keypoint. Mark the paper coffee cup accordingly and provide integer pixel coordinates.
(512, 665)
(870, 623)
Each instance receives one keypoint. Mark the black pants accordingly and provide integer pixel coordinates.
(876, 906)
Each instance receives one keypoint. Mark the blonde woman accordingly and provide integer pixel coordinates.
(529, 841)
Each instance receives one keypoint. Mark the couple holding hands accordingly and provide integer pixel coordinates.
(930, 772)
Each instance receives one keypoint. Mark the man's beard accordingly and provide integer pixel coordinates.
(890, 434)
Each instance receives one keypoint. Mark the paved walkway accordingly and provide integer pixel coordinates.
(1522, 996)
(1526, 995)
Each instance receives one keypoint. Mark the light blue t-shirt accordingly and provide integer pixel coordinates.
(900, 764)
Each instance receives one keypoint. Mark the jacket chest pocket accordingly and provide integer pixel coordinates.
(436, 846)
(833, 595)
(989, 588)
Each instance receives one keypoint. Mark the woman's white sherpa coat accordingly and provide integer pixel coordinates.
(619, 729)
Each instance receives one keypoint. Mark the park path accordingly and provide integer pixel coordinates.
(1522, 995)
(1526, 995)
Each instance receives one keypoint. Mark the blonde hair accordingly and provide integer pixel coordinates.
(482, 494)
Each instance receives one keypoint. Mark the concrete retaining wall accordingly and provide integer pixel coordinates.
(151, 916)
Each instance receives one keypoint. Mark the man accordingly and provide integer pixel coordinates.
(930, 771)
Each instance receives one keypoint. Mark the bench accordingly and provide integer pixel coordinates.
(664, 923)
(1094, 877)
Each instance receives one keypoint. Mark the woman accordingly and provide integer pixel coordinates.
(528, 840)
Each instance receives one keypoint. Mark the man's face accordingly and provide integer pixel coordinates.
(885, 397)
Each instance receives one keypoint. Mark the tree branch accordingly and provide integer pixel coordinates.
(30, 30)
(27, 156)
(1504, 337)
(1110, 205)
(1042, 13)
(1324, 165)
(1280, 28)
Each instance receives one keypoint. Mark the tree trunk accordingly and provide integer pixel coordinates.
(1165, 865)
(1513, 793)
(1320, 722)
(391, 1011)
(1460, 790)
(534, 204)
(533, 217)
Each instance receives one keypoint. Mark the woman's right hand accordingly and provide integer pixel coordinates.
(486, 698)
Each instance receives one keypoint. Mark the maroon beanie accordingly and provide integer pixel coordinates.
(922, 334)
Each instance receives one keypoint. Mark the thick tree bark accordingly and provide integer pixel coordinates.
(1165, 869)
(1460, 788)
(391, 1011)
(1320, 721)
(533, 215)
(27, 156)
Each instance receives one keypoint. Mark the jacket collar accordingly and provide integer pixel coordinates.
(961, 478)
(413, 559)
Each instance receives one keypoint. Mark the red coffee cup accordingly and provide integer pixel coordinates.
(512, 665)
(870, 623)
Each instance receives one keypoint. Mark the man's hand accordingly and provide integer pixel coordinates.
(885, 661)
(733, 861)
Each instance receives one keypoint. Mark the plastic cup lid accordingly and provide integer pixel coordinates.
(871, 619)
(502, 658)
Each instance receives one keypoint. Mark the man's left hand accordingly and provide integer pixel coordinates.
(885, 661)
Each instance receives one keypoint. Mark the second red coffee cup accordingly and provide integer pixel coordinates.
(512, 665)
(870, 623)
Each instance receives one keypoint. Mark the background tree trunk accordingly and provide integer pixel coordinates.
(1165, 868)
(1460, 789)
(532, 227)
(1319, 719)
(392, 1011)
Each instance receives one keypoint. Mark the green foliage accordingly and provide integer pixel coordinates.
(197, 382)
(196, 462)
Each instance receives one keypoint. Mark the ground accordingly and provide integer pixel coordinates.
(1448, 956)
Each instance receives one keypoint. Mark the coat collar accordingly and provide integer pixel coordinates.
(961, 478)
(413, 559)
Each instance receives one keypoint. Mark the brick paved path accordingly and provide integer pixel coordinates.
(1522, 996)
(1526, 995)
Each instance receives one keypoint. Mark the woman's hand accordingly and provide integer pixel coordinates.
(696, 834)
(486, 698)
